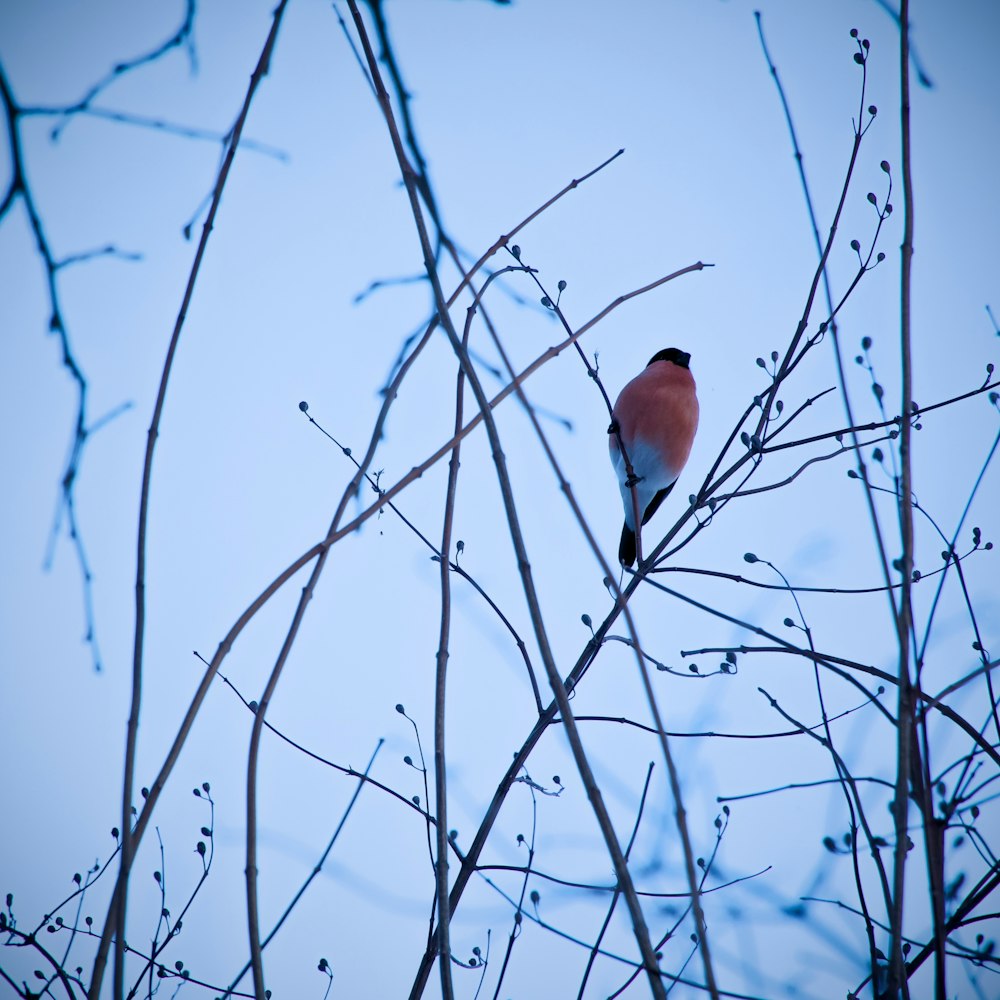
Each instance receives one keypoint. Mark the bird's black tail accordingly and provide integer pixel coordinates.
(626, 548)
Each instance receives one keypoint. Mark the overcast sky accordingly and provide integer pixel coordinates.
(510, 103)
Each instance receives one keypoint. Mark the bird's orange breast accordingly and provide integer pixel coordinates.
(658, 411)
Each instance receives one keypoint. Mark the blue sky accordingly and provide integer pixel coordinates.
(510, 104)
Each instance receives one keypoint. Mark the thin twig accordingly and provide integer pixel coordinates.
(905, 733)
(440, 699)
(583, 766)
(120, 897)
(617, 892)
(363, 779)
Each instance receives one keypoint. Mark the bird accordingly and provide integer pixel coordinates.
(655, 417)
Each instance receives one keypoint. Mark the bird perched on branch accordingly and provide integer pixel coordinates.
(654, 419)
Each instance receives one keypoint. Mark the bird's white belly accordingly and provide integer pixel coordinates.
(653, 475)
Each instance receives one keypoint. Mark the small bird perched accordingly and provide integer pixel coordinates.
(656, 416)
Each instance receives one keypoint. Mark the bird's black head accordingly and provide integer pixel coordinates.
(678, 357)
